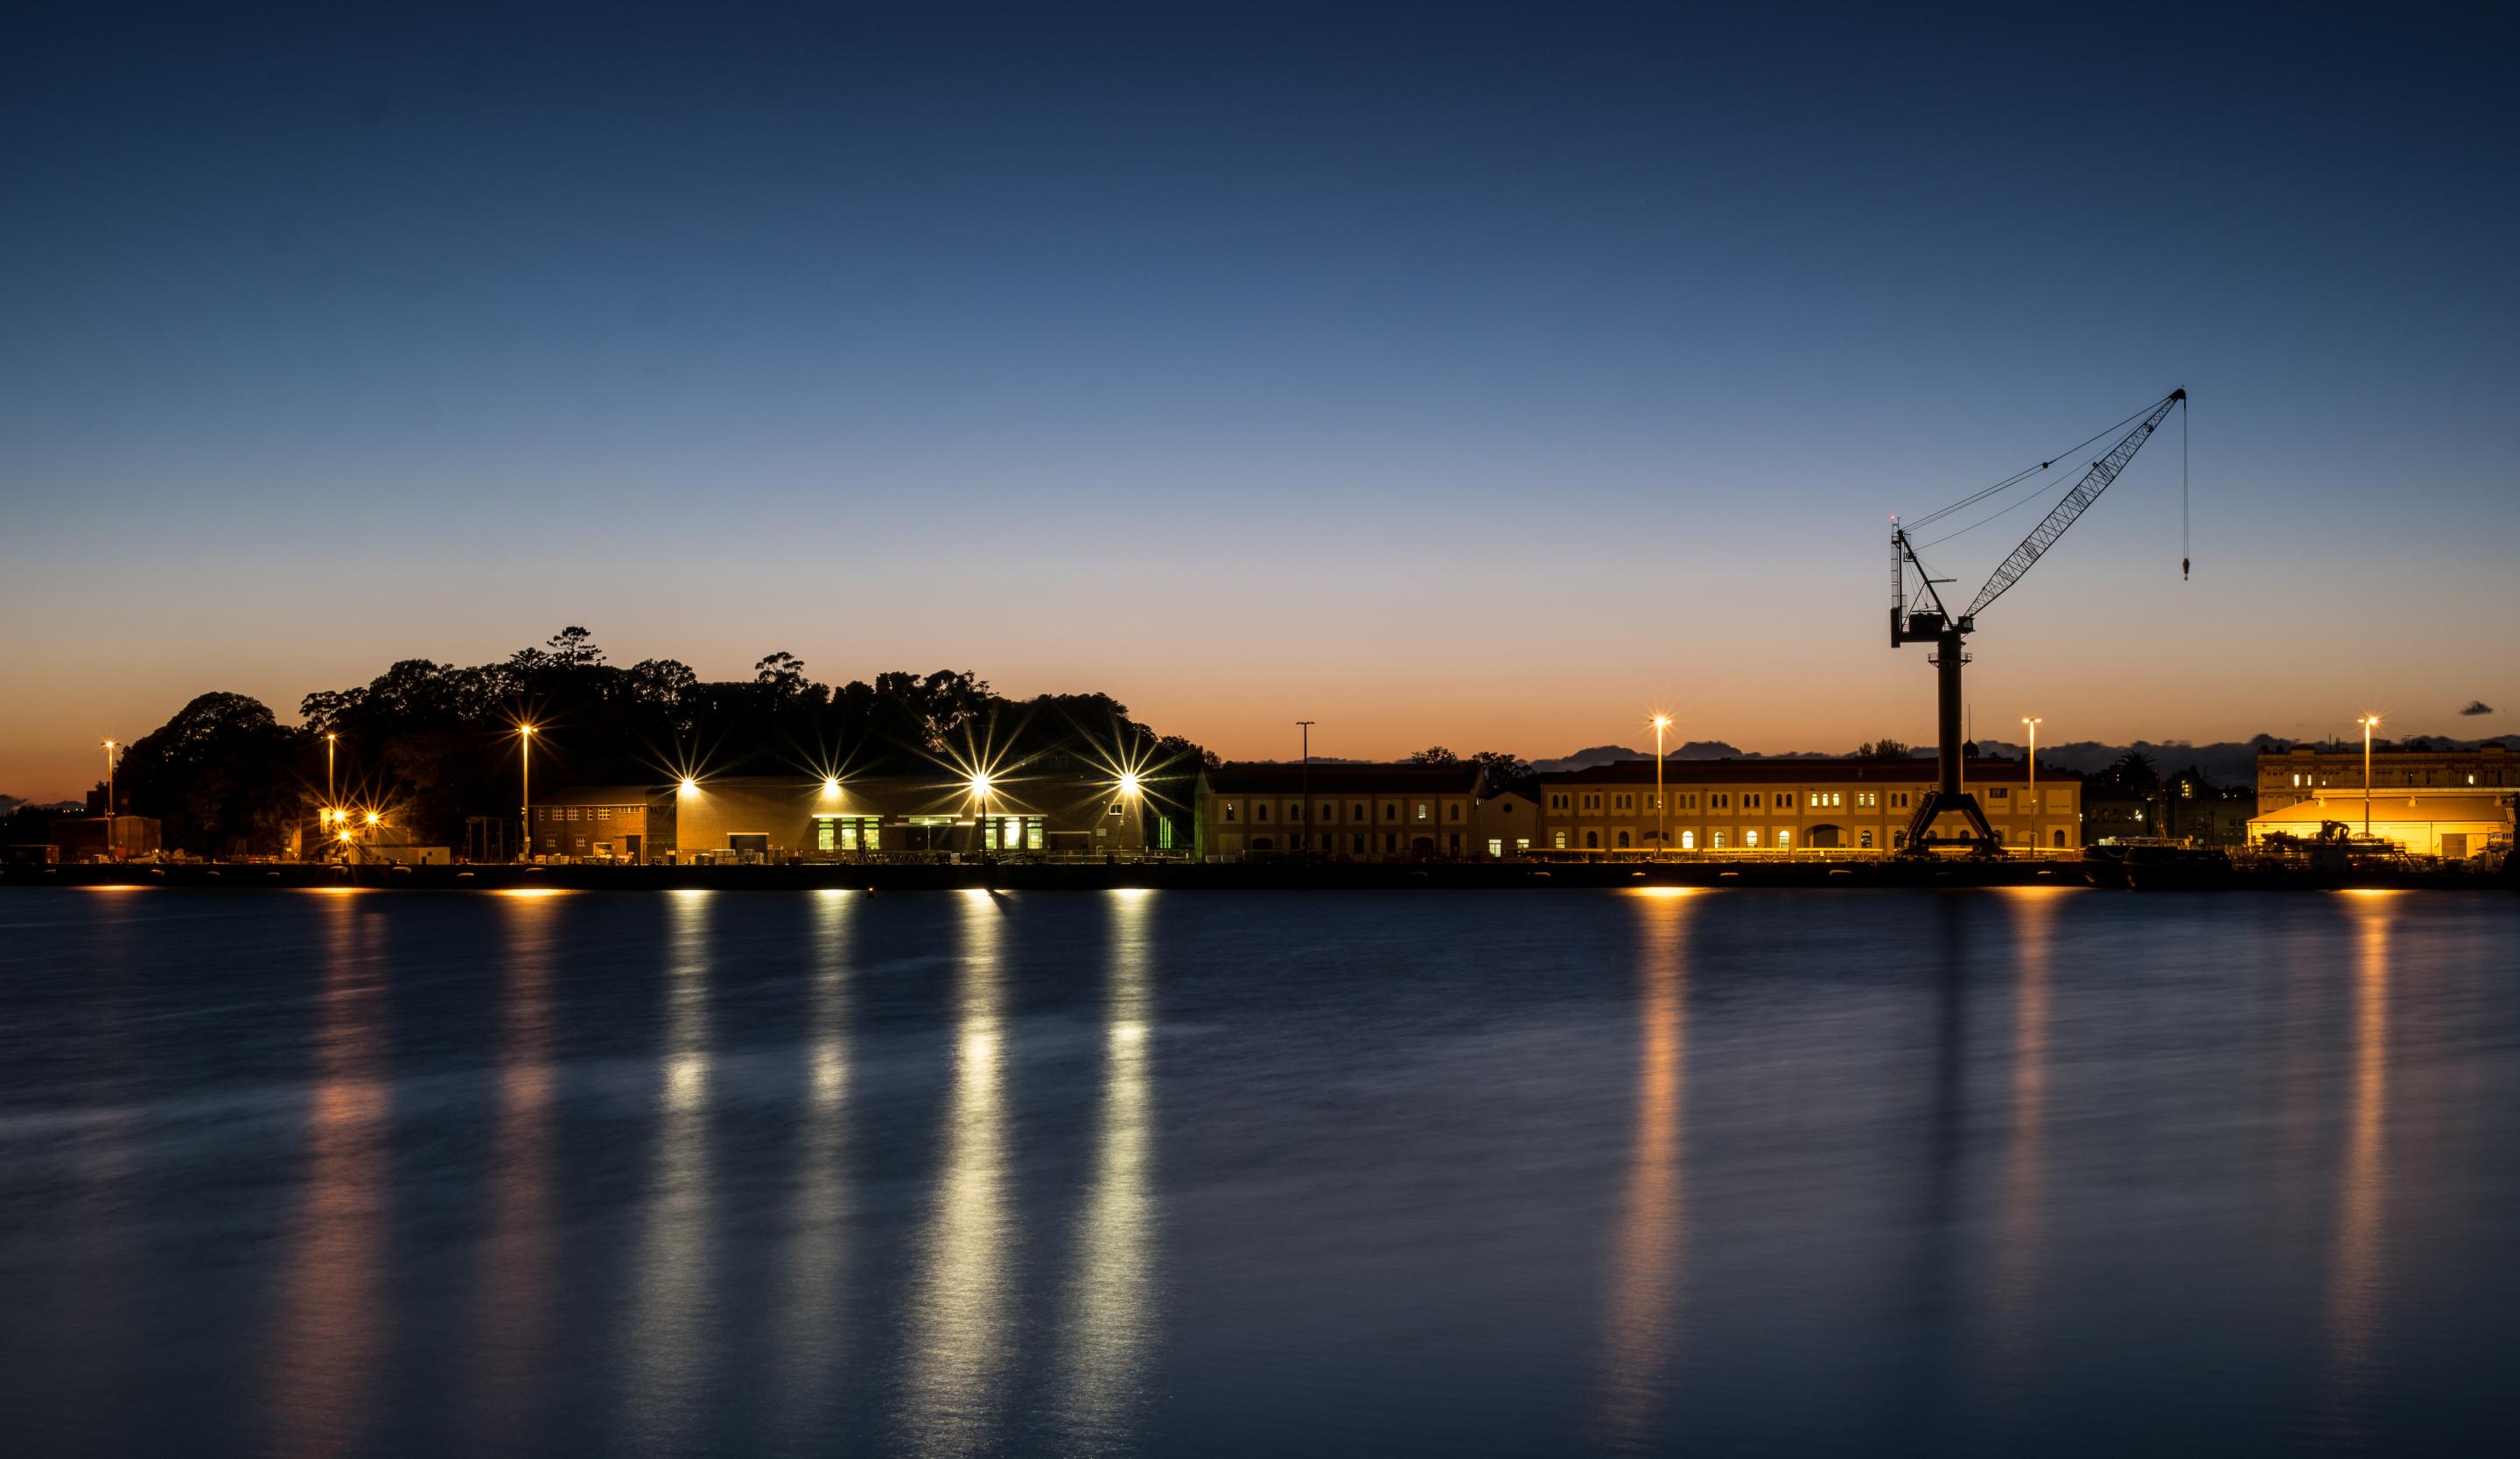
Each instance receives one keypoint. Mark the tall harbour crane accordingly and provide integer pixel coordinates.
(1912, 620)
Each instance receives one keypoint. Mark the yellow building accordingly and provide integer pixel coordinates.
(2289, 777)
(1791, 804)
(2453, 823)
(1359, 812)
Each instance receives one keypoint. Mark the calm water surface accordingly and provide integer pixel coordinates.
(1284, 1173)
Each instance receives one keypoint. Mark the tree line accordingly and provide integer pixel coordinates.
(439, 743)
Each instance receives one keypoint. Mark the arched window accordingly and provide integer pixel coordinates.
(1689, 841)
(1623, 841)
(1591, 840)
(1749, 838)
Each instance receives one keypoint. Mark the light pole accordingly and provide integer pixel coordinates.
(981, 822)
(1661, 722)
(109, 800)
(2369, 720)
(525, 787)
(2033, 722)
(1304, 787)
(330, 794)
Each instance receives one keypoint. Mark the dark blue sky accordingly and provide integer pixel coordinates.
(1443, 373)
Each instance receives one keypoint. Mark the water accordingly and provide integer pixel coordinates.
(1205, 1173)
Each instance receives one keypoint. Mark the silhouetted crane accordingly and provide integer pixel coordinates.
(1948, 633)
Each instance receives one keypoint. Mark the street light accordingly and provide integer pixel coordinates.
(1304, 786)
(109, 800)
(980, 812)
(329, 743)
(1661, 722)
(526, 784)
(2034, 722)
(2367, 721)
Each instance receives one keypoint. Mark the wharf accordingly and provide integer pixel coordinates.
(1092, 876)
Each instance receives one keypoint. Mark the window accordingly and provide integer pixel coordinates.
(1867, 798)
(1260, 811)
(1422, 810)
(1496, 846)
(1557, 799)
(1591, 840)
(1391, 811)
(1749, 838)
(826, 835)
(1233, 811)
(1785, 800)
(1719, 840)
(1689, 841)
(1522, 843)
(1863, 837)
(1750, 801)
(1652, 802)
(604, 813)
(1623, 841)
(1784, 840)
(1624, 800)
(1558, 839)
(1999, 793)
(1115, 807)
(1453, 811)
(1592, 800)
(1355, 813)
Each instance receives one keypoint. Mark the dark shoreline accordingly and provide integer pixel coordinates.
(1165, 875)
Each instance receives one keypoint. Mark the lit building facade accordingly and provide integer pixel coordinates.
(761, 818)
(1791, 804)
(1357, 812)
(2289, 777)
(2453, 823)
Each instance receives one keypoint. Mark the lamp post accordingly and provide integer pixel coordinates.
(525, 787)
(2369, 720)
(109, 800)
(2033, 722)
(1304, 787)
(1661, 722)
(330, 793)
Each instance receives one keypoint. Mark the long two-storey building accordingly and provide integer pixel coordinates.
(1791, 804)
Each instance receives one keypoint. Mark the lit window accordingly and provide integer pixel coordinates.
(1689, 841)
(1422, 810)
(1558, 839)
(1749, 838)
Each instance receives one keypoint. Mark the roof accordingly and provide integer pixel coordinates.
(1910, 771)
(1345, 778)
(595, 794)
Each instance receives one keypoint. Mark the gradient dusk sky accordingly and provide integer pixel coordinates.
(1482, 375)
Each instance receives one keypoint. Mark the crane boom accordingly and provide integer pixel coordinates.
(2076, 502)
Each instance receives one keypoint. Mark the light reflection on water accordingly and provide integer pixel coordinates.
(330, 1334)
(1257, 1175)
(513, 1293)
(1110, 1319)
(1653, 1226)
(670, 1369)
(958, 1334)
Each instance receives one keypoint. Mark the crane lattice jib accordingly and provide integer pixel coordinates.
(2076, 501)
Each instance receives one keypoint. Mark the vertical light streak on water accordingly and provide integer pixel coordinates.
(959, 1320)
(671, 1360)
(511, 1350)
(2020, 1209)
(2356, 1277)
(1110, 1319)
(1645, 1295)
(94, 1247)
(812, 1349)
(329, 1333)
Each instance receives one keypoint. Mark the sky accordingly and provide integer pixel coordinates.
(1490, 376)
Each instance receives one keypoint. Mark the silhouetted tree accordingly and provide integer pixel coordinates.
(222, 776)
(1506, 774)
(1884, 749)
(1434, 755)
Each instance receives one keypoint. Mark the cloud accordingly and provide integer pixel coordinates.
(2477, 707)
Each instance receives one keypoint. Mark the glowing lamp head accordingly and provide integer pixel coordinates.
(525, 730)
(688, 786)
(1129, 783)
(981, 785)
(1662, 721)
(373, 818)
(830, 787)
(345, 837)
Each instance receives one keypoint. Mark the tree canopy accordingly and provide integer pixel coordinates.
(436, 743)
